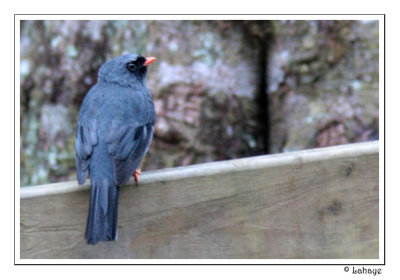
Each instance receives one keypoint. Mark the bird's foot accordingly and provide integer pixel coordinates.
(136, 175)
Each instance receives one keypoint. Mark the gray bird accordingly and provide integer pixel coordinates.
(114, 131)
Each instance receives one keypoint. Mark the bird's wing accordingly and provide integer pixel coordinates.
(127, 145)
(86, 139)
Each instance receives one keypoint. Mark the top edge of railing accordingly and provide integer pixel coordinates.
(219, 167)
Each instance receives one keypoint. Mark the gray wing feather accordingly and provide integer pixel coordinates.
(86, 139)
(128, 149)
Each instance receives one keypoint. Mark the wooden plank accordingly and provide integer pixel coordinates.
(320, 203)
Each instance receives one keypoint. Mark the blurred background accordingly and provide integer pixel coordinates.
(222, 89)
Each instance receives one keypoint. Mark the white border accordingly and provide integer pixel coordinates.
(199, 17)
(381, 138)
(17, 138)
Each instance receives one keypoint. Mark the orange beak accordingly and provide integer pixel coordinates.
(149, 60)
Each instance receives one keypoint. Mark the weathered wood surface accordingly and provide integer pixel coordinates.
(320, 203)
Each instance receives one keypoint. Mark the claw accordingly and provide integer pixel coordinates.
(136, 174)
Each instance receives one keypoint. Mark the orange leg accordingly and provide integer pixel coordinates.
(136, 174)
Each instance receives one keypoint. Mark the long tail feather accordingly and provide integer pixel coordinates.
(103, 209)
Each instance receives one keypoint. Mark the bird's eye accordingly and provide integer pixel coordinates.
(131, 66)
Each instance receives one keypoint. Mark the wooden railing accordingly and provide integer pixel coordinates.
(319, 203)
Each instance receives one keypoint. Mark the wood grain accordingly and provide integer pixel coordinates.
(320, 203)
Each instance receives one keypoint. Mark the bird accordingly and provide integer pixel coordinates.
(114, 131)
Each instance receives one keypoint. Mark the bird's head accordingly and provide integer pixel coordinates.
(126, 70)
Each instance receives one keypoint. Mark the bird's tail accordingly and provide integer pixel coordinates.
(103, 209)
